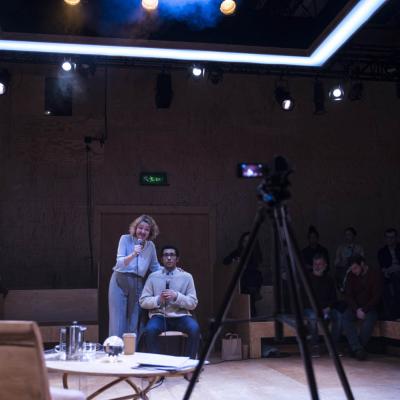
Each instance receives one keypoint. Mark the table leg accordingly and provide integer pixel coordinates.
(140, 393)
(65, 380)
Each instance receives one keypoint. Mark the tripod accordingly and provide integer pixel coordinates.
(273, 192)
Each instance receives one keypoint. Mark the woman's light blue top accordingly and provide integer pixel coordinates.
(140, 264)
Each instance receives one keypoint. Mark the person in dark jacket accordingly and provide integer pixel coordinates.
(389, 262)
(363, 293)
(325, 293)
(313, 248)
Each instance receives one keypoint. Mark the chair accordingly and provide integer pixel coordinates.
(23, 374)
(171, 346)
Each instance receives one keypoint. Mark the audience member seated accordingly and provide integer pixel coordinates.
(363, 293)
(389, 261)
(343, 254)
(313, 248)
(252, 279)
(325, 292)
(169, 294)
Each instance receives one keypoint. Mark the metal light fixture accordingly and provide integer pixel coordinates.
(356, 91)
(336, 93)
(284, 99)
(215, 75)
(319, 98)
(67, 65)
(4, 81)
(198, 71)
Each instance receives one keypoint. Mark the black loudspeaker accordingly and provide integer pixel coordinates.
(58, 97)
(164, 92)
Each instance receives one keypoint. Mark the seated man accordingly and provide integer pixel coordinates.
(169, 295)
(363, 293)
(325, 293)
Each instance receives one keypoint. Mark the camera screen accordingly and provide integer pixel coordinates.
(250, 170)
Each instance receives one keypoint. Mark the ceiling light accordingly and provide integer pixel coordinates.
(353, 20)
(284, 99)
(319, 98)
(4, 81)
(336, 93)
(150, 5)
(68, 65)
(72, 2)
(228, 7)
(198, 72)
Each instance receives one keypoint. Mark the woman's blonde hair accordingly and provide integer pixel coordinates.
(154, 231)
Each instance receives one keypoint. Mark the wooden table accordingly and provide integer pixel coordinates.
(125, 368)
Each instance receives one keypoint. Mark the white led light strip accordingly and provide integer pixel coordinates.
(358, 15)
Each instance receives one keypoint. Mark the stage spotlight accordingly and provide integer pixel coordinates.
(150, 5)
(72, 2)
(284, 99)
(198, 72)
(319, 98)
(164, 92)
(4, 81)
(228, 7)
(336, 93)
(68, 65)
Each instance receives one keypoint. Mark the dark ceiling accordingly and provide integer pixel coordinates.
(294, 24)
(267, 23)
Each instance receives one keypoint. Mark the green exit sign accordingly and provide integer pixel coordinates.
(153, 178)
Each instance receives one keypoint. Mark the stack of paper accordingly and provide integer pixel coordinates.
(161, 361)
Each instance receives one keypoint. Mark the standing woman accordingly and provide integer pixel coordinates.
(135, 256)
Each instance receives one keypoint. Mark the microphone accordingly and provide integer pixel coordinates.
(167, 285)
(141, 243)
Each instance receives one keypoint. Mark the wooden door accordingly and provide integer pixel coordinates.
(191, 229)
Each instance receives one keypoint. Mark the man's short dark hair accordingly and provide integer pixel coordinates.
(320, 256)
(391, 230)
(356, 259)
(170, 247)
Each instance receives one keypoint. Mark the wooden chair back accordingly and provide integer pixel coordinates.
(23, 373)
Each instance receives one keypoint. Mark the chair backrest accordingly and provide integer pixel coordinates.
(23, 373)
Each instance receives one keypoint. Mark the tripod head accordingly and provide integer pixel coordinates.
(274, 188)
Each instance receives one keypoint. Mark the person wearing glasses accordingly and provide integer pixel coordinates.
(136, 255)
(170, 295)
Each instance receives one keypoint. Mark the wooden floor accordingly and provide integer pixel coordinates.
(277, 379)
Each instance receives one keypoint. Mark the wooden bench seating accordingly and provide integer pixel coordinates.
(53, 309)
(252, 332)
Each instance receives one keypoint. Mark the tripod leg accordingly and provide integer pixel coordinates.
(295, 297)
(215, 328)
(294, 249)
(277, 285)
